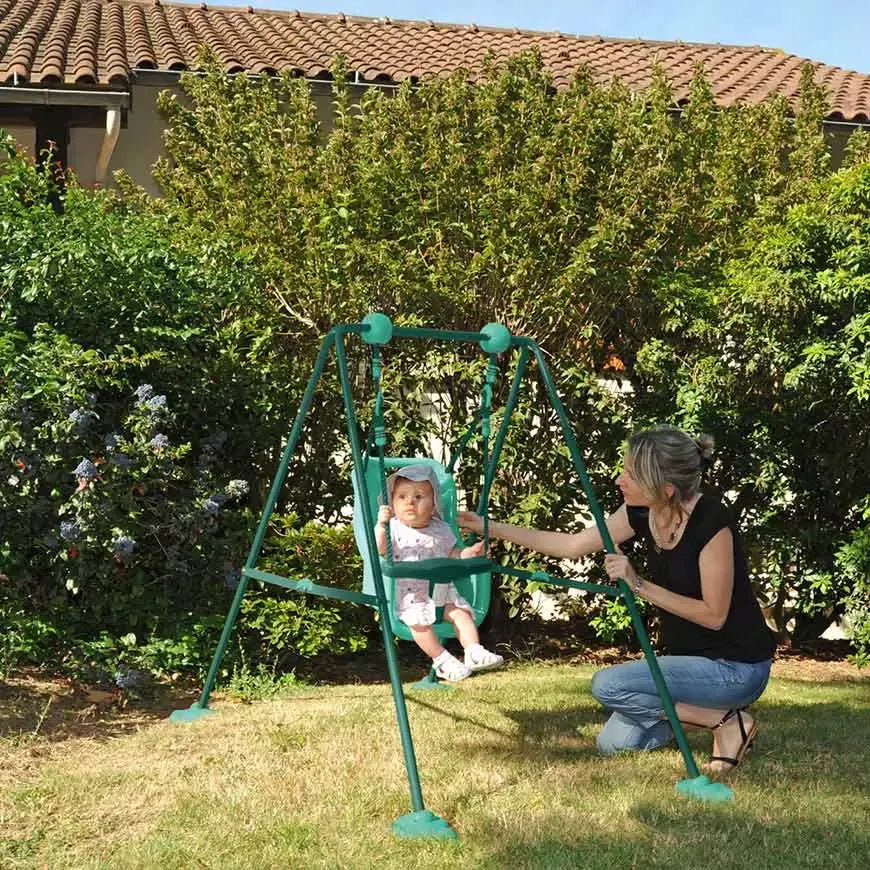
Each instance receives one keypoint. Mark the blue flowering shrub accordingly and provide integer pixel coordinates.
(108, 523)
(122, 541)
(143, 399)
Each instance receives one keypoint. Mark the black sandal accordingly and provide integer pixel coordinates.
(747, 739)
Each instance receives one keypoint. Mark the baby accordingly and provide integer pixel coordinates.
(417, 532)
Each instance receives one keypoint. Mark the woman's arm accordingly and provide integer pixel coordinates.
(563, 545)
(716, 566)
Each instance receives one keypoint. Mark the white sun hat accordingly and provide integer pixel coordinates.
(417, 473)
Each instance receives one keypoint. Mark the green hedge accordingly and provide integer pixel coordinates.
(709, 258)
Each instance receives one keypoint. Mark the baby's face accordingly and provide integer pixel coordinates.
(413, 502)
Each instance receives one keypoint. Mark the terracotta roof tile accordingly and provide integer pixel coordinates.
(81, 57)
(112, 62)
(139, 38)
(167, 52)
(105, 41)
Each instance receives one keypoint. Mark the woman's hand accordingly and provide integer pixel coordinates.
(470, 522)
(617, 566)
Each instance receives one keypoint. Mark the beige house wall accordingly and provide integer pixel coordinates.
(25, 137)
(140, 141)
(139, 144)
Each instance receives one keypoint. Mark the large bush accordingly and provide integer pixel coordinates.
(644, 245)
(142, 404)
(780, 364)
(599, 223)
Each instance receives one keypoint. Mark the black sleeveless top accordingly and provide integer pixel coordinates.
(745, 636)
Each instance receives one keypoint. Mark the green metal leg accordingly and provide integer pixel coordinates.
(421, 822)
(696, 785)
(200, 707)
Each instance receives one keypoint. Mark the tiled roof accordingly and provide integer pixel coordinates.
(104, 42)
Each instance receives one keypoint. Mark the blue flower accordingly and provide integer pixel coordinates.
(111, 441)
(124, 545)
(81, 418)
(70, 531)
(159, 442)
(121, 460)
(217, 439)
(238, 488)
(156, 403)
(85, 470)
(144, 392)
(131, 679)
(210, 507)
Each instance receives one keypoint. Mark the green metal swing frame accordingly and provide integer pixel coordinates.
(377, 330)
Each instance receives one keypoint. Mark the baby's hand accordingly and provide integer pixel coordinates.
(473, 551)
(384, 514)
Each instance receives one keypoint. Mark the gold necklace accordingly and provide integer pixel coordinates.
(654, 528)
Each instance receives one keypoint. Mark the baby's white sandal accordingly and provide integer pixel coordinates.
(478, 658)
(448, 667)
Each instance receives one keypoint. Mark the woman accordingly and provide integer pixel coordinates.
(719, 649)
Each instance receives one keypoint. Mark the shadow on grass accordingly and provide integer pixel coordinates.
(814, 743)
(802, 744)
(551, 734)
(690, 838)
(801, 801)
(796, 744)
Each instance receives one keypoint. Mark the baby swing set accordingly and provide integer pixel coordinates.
(471, 576)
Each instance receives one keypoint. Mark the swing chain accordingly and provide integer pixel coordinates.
(378, 424)
(486, 397)
(485, 431)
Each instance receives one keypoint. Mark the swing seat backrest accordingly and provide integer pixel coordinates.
(474, 588)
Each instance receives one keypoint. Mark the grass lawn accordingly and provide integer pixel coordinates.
(314, 779)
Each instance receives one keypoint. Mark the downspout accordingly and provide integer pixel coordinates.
(113, 130)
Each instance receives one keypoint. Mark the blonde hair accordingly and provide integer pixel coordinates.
(667, 455)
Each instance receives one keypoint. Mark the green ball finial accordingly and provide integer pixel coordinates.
(498, 338)
(380, 329)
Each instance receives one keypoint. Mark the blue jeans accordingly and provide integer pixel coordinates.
(638, 719)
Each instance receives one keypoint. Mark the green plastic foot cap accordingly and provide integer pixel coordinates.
(429, 683)
(191, 714)
(380, 329)
(704, 789)
(498, 338)
(422, 825)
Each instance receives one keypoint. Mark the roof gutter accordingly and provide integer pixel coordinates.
(828, 122)
(356, 80)
(36, 96)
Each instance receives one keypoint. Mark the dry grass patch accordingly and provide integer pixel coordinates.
(314, 779)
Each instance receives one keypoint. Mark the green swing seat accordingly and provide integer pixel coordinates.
(472, 577)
